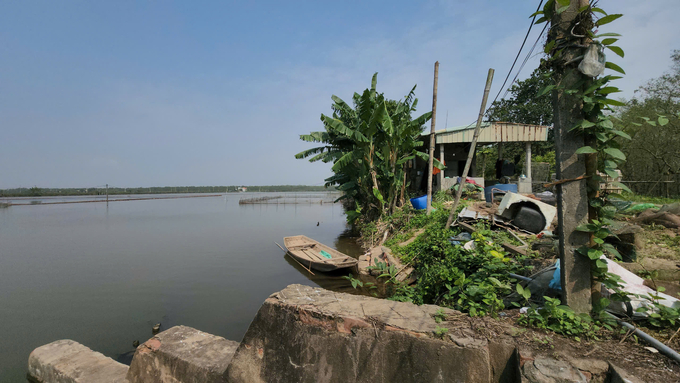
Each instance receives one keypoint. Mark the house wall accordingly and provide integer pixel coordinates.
(455, 156)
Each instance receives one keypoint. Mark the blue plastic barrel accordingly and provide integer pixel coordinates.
(503, 187)
(420, 203)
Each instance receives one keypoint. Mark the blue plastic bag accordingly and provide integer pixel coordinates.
(556, 281)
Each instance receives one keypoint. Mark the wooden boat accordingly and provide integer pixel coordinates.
(315, 255)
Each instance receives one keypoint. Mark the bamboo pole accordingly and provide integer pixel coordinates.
(432, 125)
(473, 145)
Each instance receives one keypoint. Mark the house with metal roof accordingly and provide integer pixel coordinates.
(453, 145)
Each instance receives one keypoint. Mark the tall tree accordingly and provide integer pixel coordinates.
(651, 118)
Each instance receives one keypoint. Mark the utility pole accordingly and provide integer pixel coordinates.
(572, 198)
(432, 124)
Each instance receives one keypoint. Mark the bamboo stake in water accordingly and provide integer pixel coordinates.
(473, 145)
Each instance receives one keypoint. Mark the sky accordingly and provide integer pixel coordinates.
(174, 93)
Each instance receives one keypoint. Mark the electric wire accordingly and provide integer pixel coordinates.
(526, 59)
(526, 36)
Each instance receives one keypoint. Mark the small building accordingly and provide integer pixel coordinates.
(453, 145)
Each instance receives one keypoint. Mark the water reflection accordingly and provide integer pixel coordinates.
(329, 281)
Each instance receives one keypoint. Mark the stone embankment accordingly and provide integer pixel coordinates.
(306, 334)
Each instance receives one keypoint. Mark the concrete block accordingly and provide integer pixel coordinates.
(547, 370)
(305, 334)
(67, 361)
(181, 354)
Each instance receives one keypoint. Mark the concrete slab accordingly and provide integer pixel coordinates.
(181, 354)
(67, 361)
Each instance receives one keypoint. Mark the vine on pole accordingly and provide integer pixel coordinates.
(602, 151)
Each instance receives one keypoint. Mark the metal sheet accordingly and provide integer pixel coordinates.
(494, 132)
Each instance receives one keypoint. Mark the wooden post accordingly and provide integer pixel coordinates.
(473, 145)
(107, 194)
(432, 124)
(572, 199)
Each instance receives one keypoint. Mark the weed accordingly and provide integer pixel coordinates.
(440, 332)
(560, 319)
(439, 316)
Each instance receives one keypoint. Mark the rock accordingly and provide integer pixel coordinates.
(156, 328)
(667, 270)
(663, 218)
(544, 246)
(546, 370)
(67, 361)
(595, 370)
(594, 366)
(305, 334)
(673, 208)
(618, 375)
(135, 344)
(626, 240)
(181, 354)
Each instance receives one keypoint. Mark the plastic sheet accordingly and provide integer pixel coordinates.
(593, 61)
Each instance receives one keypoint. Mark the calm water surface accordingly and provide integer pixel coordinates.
(103, 276)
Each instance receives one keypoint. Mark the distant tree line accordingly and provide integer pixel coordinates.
(37, 191)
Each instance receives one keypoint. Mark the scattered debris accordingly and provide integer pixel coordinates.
(460, 238)
(663, 218)
(527, 213)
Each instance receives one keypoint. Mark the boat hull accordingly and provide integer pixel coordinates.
(307, 251)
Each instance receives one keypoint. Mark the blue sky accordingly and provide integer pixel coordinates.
(156, 93)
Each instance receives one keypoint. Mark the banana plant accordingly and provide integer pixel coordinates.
(369, 145)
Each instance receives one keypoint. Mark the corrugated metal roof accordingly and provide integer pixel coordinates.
(493, 132)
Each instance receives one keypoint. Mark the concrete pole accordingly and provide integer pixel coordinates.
(527, 167)
(572, 200)
(441, 173)
(432, 124)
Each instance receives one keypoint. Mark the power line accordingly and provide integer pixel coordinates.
(528, 56)
(515, 61)
(518, 53)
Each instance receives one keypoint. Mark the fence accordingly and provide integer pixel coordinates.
(291, 199)
(657, 188)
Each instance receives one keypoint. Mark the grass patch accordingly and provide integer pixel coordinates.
(647, 199)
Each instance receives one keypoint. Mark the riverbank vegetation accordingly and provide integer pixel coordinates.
(368, 154)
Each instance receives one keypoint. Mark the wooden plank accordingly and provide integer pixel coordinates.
(514, 249)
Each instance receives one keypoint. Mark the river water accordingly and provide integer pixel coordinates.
(104, 275)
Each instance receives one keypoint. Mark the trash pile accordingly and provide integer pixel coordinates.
(515, 211)
(529, 216)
